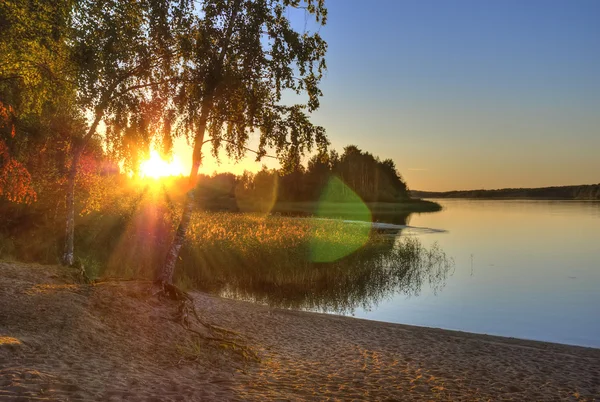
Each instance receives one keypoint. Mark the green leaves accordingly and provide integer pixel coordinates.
(239, 58)
(33, 68)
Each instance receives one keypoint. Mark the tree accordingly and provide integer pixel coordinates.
(15, 180)
(241, 56)
(33, 49)
(123, 58)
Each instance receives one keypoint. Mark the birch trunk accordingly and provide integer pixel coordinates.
(68, 257)
(165, 275)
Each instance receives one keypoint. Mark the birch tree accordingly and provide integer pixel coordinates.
(241, 57)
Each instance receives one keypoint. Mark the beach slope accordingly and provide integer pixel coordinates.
(60, 340)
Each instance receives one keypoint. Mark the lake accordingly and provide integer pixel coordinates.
(525, 269)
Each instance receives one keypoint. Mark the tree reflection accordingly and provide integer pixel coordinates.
(383, 268)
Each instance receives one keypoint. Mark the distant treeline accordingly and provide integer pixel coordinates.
(582, 192)
(361, 173)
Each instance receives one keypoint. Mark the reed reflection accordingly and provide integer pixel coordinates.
(384, 267)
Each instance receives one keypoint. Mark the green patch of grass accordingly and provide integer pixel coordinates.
(7, 247)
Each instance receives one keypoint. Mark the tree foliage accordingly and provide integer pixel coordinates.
(32, 83)
(240, 59)
(34, 66)
(124, 61)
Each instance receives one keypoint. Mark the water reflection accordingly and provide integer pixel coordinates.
(524, 268)
(385, 267)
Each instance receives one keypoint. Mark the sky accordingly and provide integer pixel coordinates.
(463, 94)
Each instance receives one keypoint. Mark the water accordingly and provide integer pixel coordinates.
(524, 269)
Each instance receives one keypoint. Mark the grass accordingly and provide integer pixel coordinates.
(311, 264)
(408, 206)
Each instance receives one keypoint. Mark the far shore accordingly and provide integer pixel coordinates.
(110, 341)
(580, 193)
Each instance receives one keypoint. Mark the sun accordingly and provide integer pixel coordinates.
(156, 167)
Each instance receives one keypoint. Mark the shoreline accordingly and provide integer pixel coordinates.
(110, 341)
(408, 326)
(483, 334)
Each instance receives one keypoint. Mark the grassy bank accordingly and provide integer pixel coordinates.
(271, 257)
(323, 265)
(305, 263)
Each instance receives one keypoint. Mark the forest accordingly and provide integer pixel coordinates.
(365, 175)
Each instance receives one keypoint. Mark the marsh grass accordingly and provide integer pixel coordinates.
(271, 260)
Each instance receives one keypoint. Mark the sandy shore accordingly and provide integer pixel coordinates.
(64, 341)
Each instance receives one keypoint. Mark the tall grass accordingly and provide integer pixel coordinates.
(271, 260)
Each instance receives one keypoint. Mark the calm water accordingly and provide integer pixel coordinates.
(525, 269)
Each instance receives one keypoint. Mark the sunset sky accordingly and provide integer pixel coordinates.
(463, 94)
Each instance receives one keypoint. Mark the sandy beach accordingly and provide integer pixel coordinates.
(64, 341)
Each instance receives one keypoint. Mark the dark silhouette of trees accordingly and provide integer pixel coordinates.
(372, 179)
(366, 175)
(369, 177)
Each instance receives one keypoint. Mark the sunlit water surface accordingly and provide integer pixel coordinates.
(524, 269)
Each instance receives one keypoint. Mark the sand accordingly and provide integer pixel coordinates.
(110, 342)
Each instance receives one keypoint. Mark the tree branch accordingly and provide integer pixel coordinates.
(141, 86)
(245, 148)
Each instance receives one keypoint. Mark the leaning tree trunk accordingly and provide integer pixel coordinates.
(166, 271)
(165, 274)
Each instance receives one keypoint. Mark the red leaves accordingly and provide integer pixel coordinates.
(15, 180)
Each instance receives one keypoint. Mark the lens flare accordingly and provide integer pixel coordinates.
(339, 201)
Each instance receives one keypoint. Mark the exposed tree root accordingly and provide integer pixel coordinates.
(80, 273)
(186, 316)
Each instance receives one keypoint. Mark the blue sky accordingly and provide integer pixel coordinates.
(467, 94)
(464, 94)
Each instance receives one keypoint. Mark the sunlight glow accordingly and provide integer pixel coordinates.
(156, 167)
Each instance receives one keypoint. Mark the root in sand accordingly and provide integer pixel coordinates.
(187, 316)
